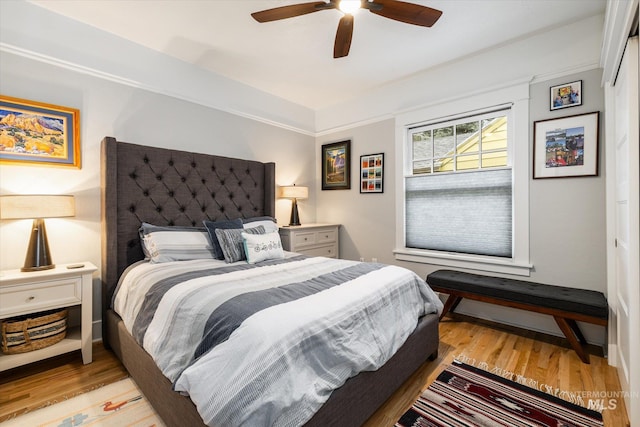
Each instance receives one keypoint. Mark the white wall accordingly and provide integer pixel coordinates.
(567, 216)
(137, 116)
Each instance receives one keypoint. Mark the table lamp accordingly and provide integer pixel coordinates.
(294, 193)
(37, 207)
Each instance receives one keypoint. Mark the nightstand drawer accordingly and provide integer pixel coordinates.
(24, 299)
(302, 239)
(330, 251)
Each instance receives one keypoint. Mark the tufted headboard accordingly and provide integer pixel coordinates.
(171, 187)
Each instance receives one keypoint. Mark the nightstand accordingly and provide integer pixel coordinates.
(24, 293)
(311, 239)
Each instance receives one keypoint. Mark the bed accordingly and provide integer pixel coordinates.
(164, 187)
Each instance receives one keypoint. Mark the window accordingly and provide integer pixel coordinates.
(459, 189)
(463, 197)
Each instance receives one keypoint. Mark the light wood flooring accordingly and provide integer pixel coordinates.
(538, 357)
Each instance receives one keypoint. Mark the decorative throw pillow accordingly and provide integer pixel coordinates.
(231, 242)
(261, 247)
(269, 223)
(213, 226)
(165, 244)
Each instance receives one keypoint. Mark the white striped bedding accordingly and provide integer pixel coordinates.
(267, 343)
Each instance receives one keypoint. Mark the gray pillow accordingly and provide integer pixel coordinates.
(231, 242)
(213, 226)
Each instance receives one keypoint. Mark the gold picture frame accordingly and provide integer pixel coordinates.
(38, 134)
(336, 166)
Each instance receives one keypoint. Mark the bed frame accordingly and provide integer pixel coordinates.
(171, 187)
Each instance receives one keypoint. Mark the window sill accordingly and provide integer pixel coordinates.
(473, 262)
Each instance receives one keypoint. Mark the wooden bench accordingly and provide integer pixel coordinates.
(566, 305)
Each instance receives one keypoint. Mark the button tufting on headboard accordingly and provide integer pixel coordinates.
(172, 187)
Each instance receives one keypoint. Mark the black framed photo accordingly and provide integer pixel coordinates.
(566, 147)
(372, 173)
(566, 95)
(336, 166)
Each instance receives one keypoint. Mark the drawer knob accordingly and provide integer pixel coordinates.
(31, 298)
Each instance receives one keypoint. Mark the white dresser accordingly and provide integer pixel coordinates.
(312, 239)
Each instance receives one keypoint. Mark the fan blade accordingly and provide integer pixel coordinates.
(291, 11)
(343, 37)
(404, 12)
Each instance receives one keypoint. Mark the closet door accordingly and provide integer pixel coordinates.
(627, 227)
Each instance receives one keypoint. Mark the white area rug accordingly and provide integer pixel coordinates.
(114, 405)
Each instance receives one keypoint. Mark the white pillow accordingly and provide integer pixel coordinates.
(261, 247)
(165, 246)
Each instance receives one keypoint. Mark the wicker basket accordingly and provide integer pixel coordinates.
(33, 332)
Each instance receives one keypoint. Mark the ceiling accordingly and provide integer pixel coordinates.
(293, 58)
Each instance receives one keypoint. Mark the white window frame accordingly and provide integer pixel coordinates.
(515, 95)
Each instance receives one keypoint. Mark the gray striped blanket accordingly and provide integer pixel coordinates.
(266, 344)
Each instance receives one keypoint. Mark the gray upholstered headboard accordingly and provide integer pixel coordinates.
(171, 187)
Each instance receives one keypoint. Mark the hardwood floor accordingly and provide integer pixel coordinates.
(546, 360)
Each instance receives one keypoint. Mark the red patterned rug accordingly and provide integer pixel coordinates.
(465, 396)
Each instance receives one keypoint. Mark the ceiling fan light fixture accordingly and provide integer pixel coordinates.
(349, 6)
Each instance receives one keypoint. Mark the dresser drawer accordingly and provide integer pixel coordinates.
(303, 239)
(23, 299)
(329, 251)
(326, 236)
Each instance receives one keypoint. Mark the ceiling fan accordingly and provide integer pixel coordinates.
(397, 10)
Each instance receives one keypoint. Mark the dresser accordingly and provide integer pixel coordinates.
(25, 293)
(312, 239)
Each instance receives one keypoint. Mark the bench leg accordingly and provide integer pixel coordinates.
(570, 330)
(450, 304)
(576, 330)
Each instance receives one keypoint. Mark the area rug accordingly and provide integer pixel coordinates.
(466, 396)
(117, 404)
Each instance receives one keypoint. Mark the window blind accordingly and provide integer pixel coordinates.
(467, 212)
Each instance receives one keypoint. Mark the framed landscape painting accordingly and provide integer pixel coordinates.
(38, 134)
(566, 147)
(336, 169)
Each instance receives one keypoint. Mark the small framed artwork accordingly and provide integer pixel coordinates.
(38, 134)
(566, 147)
(566, 95)
(372, 173)
(336, 169)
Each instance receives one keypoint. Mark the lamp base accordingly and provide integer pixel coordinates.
(38, 255)
(295, 219)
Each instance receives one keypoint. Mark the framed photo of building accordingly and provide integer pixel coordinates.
(38, 134)
(566, 147)
(372, 173)
(336, 166)
(566, 95)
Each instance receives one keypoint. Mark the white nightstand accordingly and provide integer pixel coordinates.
(312, 239)
(31, 292)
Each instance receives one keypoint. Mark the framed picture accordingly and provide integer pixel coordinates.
(38, 134)
(566, 95)
(566, 147)
(372, 173)
(336, 169)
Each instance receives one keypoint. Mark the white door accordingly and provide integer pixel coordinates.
(627, 229)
